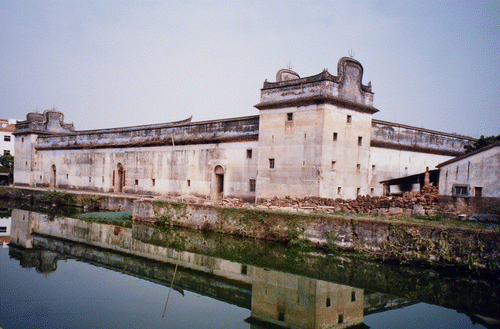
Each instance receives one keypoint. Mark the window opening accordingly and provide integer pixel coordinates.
(461, 190)
(289, 116)
(271, 163)
(360, 141)
(335, 136)
(478, 191)
(252, 185)
(349, 119)
(249, 153)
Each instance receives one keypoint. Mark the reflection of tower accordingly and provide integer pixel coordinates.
(22, 224)
(287, 299)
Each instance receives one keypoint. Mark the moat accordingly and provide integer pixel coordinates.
(64, 272)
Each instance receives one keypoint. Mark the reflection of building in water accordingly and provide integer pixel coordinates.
(273, 296)
(44, 261)
(288, 299)
(5, 226)
(22, 225)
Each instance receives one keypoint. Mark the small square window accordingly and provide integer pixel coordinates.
(249, 153)
(478, 191)
(136, 182)
(333, 164)
(461, 190)
(289, 116)
(372, 191)
(281, 316)
(341, 318)
(328, 302)
(335, 136)
(244, 269)
(339, 190)
(189, 182)
(360, 141)
(3, 229)
(349, 119)
(358, 167)
(373, 168)
(271, 163)
(252, 185)
(6, 138)
(6, 152)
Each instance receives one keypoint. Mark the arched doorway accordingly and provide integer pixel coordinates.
(121, 178)
(53, 182)
(219, 182)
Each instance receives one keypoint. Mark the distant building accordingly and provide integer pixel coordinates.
(7, 138)
(314, 136)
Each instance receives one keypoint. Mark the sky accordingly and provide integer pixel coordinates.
(104, 64)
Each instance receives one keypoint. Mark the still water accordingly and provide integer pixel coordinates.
(67, 273)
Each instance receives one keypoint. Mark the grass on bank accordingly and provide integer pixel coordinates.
(107, 217)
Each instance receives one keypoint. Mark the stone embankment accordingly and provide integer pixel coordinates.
(311, 221)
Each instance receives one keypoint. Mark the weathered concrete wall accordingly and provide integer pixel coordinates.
(479, 173)
(402, 137)
(389, 163)
(169, 170)
(245, 128)
(147, 160)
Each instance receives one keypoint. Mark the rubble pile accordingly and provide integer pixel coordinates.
(423, 203)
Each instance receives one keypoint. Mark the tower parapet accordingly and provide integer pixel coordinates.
(48, 122)
(345, 89)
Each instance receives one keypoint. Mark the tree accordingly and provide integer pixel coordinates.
(7, 162)
(481, 142)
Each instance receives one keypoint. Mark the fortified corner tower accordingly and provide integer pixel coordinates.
(314, 134)
(27, 171)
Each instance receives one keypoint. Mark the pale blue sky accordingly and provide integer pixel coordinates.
(432, 64)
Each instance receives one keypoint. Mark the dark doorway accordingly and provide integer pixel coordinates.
(219, 181)
(53, 182)
(121, 178)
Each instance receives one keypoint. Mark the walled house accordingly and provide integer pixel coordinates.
(314, 136)
(471, 182)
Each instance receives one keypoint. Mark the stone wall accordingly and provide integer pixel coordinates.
(387, 239)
